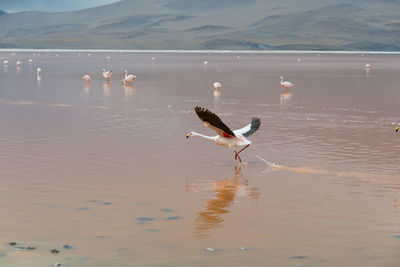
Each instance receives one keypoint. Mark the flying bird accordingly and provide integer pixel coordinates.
(226, 137)
(107, 74)
(285, 84)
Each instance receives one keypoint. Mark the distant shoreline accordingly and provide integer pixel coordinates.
(201, 51)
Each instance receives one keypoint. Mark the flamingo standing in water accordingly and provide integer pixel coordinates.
(217, 86)
(226, 137)
(38, 71)
(128, 78)
(86, 78)
(30, 61)
(5, 62)
(367, 66)
(107, 74)
(19, 63)
(286, 84)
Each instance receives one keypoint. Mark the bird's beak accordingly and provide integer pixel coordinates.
(188, 135)
(397, 128)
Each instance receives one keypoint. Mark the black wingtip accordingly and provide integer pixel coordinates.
(255, 125)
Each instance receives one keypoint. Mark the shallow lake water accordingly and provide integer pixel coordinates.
(107, 169)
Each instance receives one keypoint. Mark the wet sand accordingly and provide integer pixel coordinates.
(107, 169)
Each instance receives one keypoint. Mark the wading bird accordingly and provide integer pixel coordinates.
(107, 74)
(5, 62)
(86, 78)
(285, 84)
(226, 137)
(128, 78)
(217, 85)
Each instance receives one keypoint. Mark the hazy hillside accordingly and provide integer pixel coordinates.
(212, 24)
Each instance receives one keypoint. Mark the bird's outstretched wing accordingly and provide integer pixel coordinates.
(214, 122)
(249, 129)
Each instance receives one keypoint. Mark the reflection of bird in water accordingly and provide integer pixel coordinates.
(226, 137)
(129, 89)
(86, 88)
(107, 86)
(107, 74)
(86, 79)
(286, 84)
(226, 191)
(285, 97)
(217, 93)
(398, 127)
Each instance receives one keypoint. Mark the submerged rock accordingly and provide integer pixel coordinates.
(396, 236)
(299, 257)
(54, 251)
(66, 246)
(172, 218)
(244, 248)
(167, 210)
(25, 248)
(58, 264)
(107, 203)
(145, 219)
(12, 244)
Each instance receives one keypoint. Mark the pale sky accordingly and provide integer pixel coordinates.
(50, 5)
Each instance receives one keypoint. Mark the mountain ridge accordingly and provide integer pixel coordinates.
(211, 24)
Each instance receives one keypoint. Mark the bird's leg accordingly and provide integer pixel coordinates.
(236, 154)
(243, 149)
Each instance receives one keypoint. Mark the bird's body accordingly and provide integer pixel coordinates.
(38, 71)
(217, 85)
(367, 66)
(226, 137)
(86, 78)
(107, 74)
(128, 78)
(30, 61)
(19, 63)
(286, 84)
